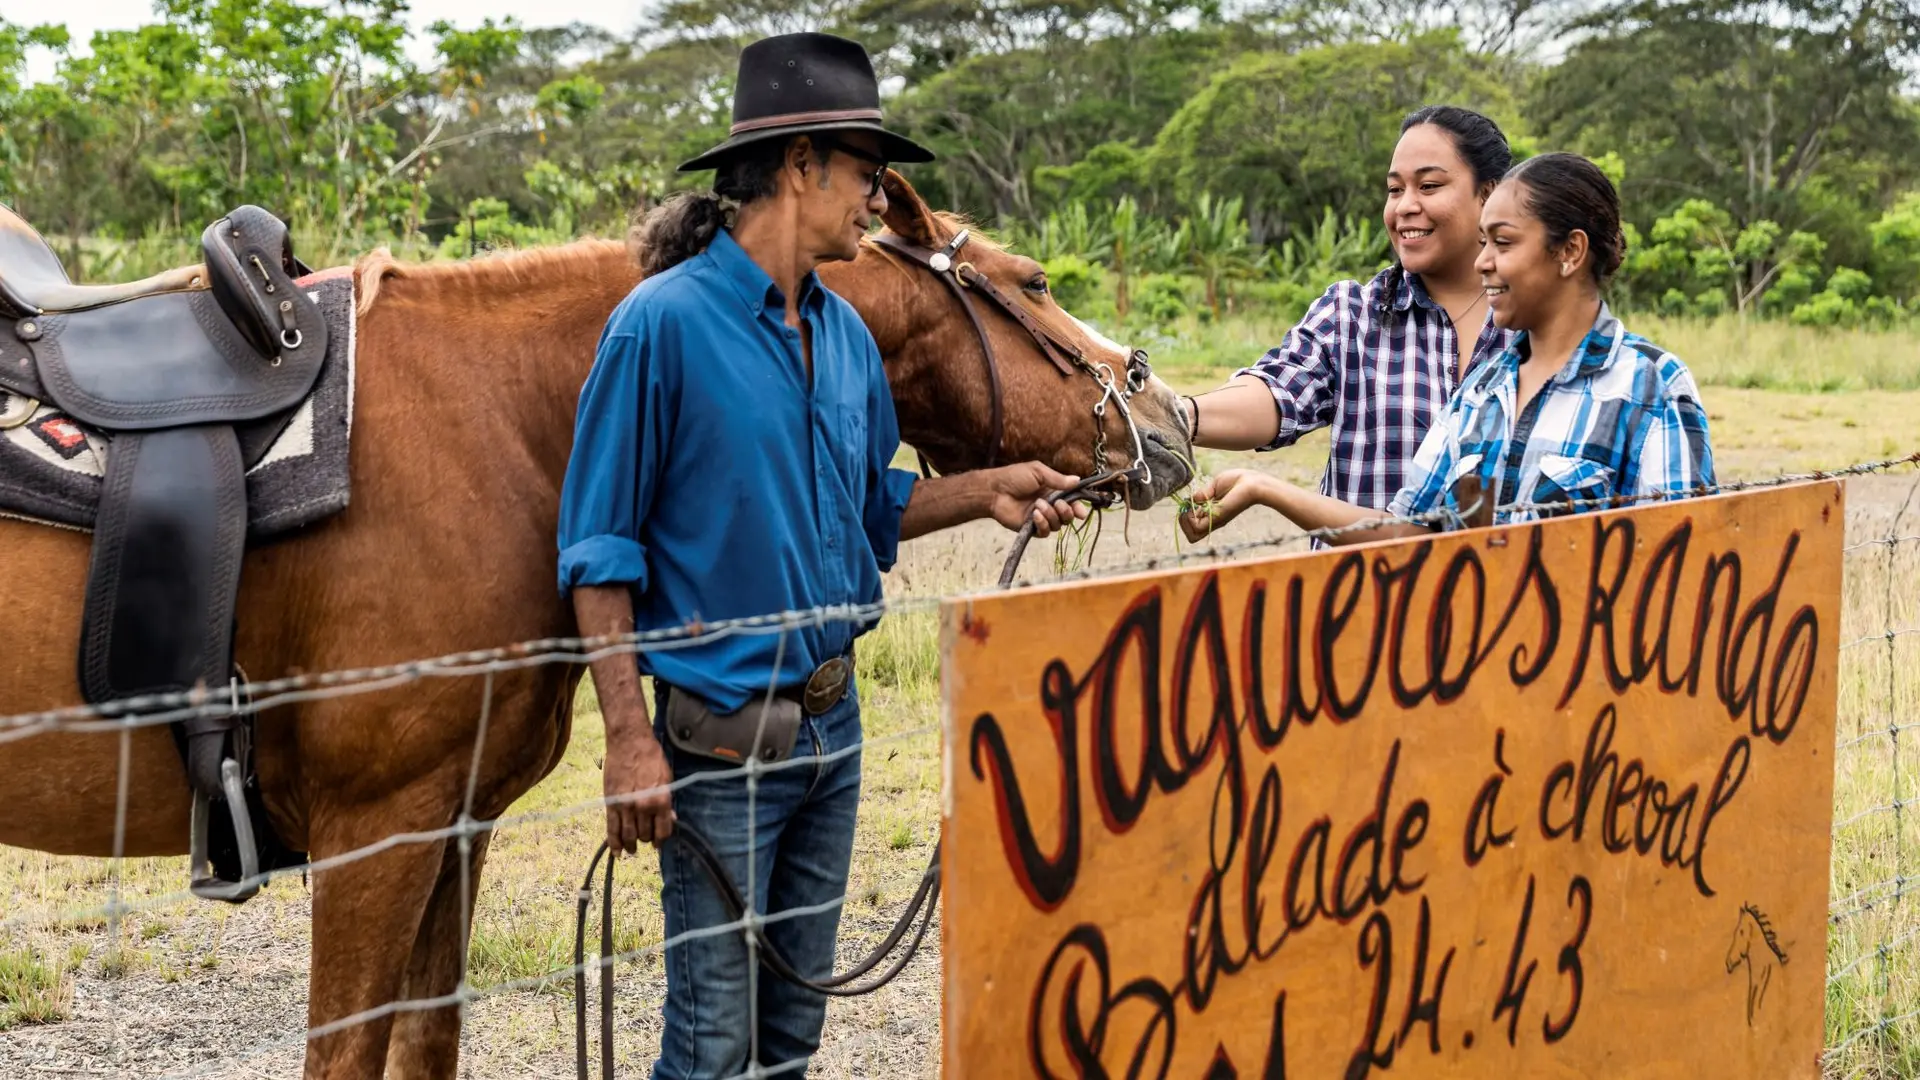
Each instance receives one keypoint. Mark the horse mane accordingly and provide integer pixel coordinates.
(486, 274)
(525, 266)
(955, 222)
(1766, 930)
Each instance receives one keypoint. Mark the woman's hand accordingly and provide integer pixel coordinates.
(1220, 500)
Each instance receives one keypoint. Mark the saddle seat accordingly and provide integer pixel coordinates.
(33, 282)
(186, 377)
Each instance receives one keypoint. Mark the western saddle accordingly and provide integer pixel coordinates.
(188, 376)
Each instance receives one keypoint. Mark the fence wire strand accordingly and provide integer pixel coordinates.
(469, 834)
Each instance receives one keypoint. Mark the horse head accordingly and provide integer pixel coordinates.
(1741, 947)
(987, 368)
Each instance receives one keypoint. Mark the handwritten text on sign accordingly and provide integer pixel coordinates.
(1545, 801)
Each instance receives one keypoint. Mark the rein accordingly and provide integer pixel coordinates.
(918, 915)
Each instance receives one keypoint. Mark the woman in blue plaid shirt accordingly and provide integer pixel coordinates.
(1575, 412)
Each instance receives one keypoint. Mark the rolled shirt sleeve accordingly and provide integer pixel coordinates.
(614, 468)
(1300, 372)
(1675, 456)
(888, 488)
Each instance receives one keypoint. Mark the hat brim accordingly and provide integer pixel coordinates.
(896, 148)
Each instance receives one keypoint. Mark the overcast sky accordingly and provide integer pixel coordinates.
(83, 17)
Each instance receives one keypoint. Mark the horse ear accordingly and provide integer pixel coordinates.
(907, 213)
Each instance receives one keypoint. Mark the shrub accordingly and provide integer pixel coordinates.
(1072, 280)
(1161, 298)
(1709, 303)
(1881, 311)
(1827, 309)
(489, 224)
(1279, 301)
(1851, 284)
(1848, 300)
(1792, 288)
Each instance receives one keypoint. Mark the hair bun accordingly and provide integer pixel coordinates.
(1614, 254)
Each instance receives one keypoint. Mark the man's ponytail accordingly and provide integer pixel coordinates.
(677, 230)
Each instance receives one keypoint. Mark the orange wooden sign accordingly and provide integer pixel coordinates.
(1548, 800)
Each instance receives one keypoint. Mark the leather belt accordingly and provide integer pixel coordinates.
(822, 690)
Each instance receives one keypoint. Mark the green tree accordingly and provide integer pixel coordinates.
(1896, 249)
(1290, 133)
(1743, 103)
(1700, 246)
(1137, 243)
(996, 119)
(1107, 172)
(1216, 239)
(1333, 249)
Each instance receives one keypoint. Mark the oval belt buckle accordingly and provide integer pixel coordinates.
(826, 686)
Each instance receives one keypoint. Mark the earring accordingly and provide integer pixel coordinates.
(1565, 269)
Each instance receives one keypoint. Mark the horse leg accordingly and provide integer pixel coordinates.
(426, 1043)
(361, 911)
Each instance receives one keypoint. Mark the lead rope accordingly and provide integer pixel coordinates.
(918, 915)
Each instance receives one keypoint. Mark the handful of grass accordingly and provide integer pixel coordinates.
(1187, 505)
(1184, 501)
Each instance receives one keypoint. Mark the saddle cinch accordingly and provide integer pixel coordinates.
(187, 377)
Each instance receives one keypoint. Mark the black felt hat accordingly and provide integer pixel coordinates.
(797, 83)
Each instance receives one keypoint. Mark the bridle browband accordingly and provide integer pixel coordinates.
(961, 278)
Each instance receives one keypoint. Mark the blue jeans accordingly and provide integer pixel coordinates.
(802, 843)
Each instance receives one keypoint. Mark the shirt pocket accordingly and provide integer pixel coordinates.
(1469, 491)
(1576, 480)
(853, 450)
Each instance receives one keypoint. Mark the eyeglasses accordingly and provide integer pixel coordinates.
(879, 174)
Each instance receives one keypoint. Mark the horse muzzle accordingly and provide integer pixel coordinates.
(1166, 446)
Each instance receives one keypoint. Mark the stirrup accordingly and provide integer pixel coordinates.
(204, 884)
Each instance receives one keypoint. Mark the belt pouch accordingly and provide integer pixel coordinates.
(730, 737)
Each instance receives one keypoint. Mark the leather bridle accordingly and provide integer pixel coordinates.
(962, 278)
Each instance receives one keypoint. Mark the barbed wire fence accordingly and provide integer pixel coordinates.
(1873, 975)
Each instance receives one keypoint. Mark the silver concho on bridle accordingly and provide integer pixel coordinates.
(942, 261)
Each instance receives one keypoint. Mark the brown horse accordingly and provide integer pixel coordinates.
(468, 377)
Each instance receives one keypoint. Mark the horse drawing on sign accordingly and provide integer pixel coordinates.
(1740, 952)
(467, 381)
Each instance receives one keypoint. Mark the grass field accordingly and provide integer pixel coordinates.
(194, 982)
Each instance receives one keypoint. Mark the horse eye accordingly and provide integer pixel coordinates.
(1038, 284)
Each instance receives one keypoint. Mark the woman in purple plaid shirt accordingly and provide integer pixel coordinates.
(1378, 361)
(1575, 413)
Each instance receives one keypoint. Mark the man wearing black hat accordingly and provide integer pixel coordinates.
(732, 458)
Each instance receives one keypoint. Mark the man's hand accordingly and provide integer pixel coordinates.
(1016, 491)
(635, 762)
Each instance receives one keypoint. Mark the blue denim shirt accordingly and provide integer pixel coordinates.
(709, 477)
